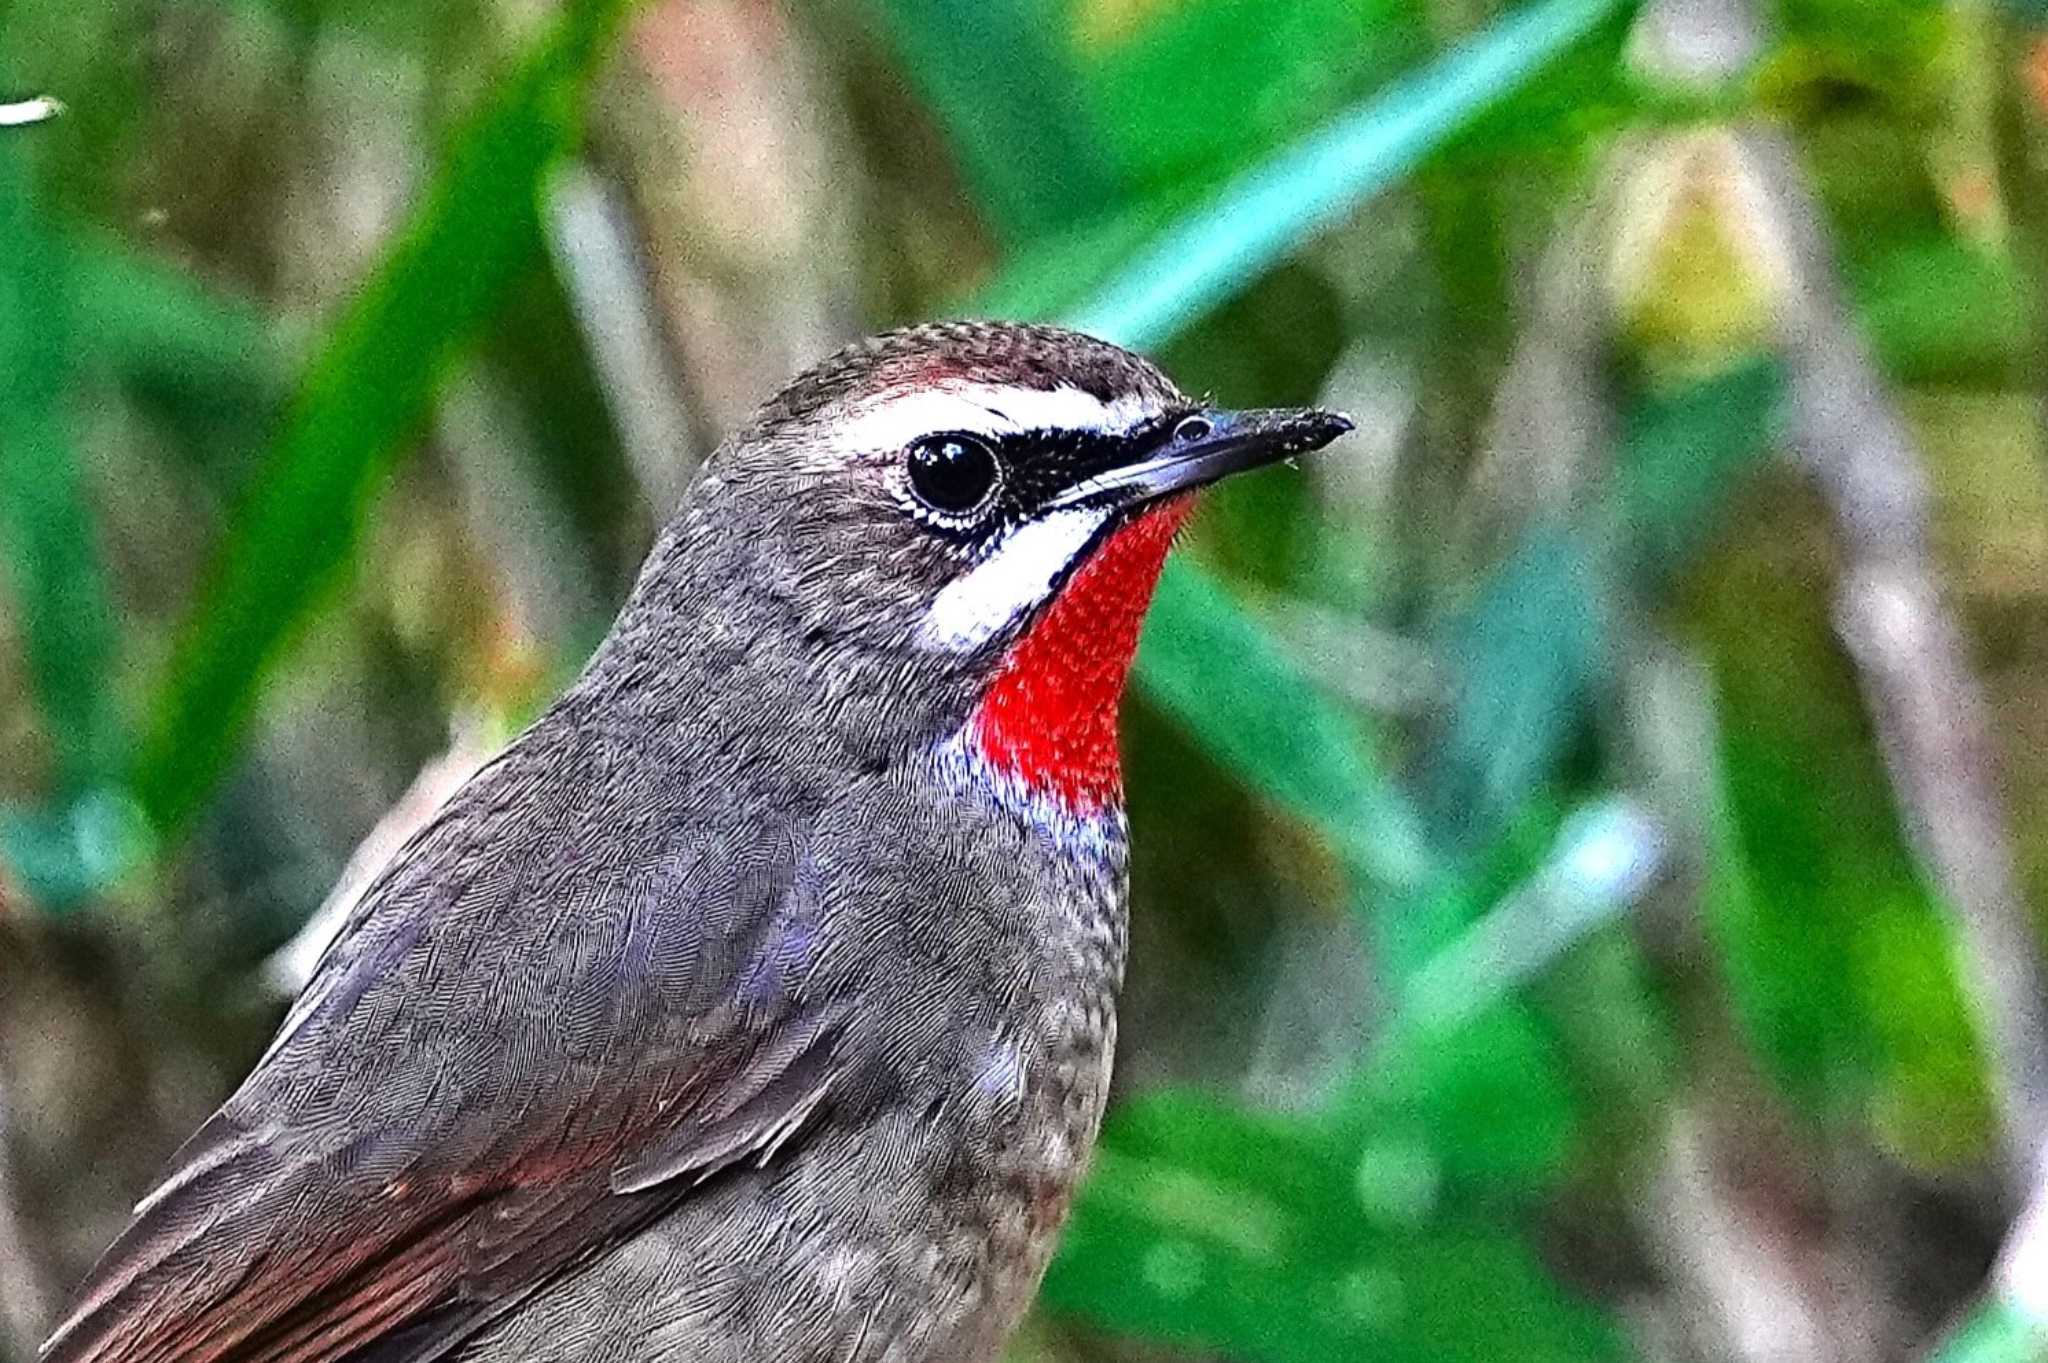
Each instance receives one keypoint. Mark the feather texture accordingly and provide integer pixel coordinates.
(431, 1138)
(747, 1007)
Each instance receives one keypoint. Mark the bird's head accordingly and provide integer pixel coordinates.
(953, 532)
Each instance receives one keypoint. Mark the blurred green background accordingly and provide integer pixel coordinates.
(1592, 828)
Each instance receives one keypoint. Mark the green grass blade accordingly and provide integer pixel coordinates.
(1267, 212)
(140, 318)
(45, 526)
(368, 392)
(84, 832)
(1002, 87)
(1605, 856)
(1215, 670)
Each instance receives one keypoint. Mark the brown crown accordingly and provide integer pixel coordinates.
(1014, 353)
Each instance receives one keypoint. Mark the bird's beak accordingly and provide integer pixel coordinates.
(1204, 447)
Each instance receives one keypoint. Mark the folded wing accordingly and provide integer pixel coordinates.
(526, 1044)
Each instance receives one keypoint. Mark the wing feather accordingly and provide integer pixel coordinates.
(517, 1052)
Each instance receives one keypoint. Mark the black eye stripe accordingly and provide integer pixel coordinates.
(1044, 463)
(1032, 467)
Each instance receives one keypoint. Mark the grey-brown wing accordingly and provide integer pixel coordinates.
(534, 1035)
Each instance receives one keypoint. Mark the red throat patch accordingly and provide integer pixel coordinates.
(1050, 716)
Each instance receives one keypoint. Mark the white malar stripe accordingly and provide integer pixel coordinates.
(893, 421)
(1015, 576)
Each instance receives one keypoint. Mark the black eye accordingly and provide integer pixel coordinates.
(953, 474)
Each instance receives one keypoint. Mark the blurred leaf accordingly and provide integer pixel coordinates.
(998, 78)
(1790, 978)
(1939, 311)
(1272, 208)
(1164, 111)
(1488, 1099)
(1529, 654)
(1261, 1237)
(153, 322)
(1998, 1331)
(1867, 171)
(1683, 454)
(1889, 48)
(1282, 1160)
(1934, 1108)
(1479, 1088)
(1229, 1233)
(1051, 274)
(1586, 94)
(366, 395)
(1529, 650)
(51, 550)
(1525, 655)
(1840, 968)
(1619, 1042)
(210, 367)
(1215, 671)
(1604, 856)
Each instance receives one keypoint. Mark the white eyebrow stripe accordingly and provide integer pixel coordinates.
(1070, 409)
(894, 420)
(1015, 576)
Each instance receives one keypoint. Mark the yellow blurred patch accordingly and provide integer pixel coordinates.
(1096, 24)
(1695, 278)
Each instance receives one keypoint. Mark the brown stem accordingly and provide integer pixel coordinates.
(1909, 648)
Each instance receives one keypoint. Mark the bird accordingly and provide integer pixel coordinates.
(757, 1003)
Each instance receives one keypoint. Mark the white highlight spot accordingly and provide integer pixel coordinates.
(994, 410)
(21, 113)
(1002, 1072)
(1015, 576)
